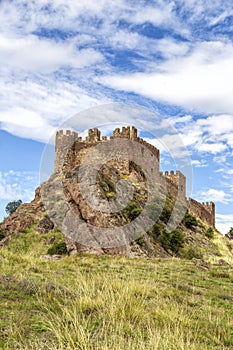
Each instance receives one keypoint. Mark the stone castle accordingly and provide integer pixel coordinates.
(175, 181)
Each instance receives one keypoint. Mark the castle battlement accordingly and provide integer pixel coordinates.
(64, 138)
(66, 133)
(208, 205)
(205, 211)
(93, 135)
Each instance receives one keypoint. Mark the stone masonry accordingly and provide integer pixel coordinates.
(175, 181)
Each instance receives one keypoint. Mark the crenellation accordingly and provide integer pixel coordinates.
(93, 135)
(205, 211)
(134, 133)
(126, 132)
(116, 132)
(174, 181)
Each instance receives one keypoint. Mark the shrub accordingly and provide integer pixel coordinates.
(209, 233)
(132, 210)
(156, 231)
(140, 241)
(173, 240)
(12, 206)
(229, 234)
(193, 253)
(2, 235)
(58, 248)
(189, 220)
(165, 215)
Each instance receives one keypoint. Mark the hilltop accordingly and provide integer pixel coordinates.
(61, 203)
(166, 289)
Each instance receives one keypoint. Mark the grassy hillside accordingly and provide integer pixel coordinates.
(100, 303)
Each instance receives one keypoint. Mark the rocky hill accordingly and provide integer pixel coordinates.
(192, 238)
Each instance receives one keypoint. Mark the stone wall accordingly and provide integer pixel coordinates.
(64, 141)
(175, 182)
(179, 180)
(205, 211)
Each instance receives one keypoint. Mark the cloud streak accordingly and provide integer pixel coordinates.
(201, 80)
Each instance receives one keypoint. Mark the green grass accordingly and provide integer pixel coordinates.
(100, 303)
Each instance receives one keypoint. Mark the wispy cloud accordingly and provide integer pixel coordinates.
(12, 185)
(224, 222)
(218, 196)
(35, 54)
(201, 80)
(199, 163)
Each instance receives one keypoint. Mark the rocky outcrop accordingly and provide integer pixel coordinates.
(24, 217)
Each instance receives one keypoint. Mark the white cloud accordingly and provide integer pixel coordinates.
(201, 80)
(42, 105)
(12, 185)
(199, 163)
(215, 195)
(25, 123)
(16, 185)
(211, 147)
(224, 222)
(213, 134)
(34, 54)
(217, 125)
(181, 119)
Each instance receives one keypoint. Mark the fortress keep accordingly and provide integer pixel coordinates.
(175, 181)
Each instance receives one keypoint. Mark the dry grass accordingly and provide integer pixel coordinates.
(100, 303)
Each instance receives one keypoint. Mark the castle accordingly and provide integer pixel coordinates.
(175, 181)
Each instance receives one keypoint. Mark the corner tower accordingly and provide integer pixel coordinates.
(64, 141)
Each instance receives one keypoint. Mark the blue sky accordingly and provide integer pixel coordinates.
(58, 58)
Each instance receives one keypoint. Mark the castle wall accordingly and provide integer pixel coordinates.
(205, 211)
(175, 183)
(179, 180)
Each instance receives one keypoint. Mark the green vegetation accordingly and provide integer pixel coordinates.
(156, 231)
(92, 303)
(12, 206)
(2, 235)
(230, 233)
(132, 210)
(209, 233)
(58, 248)
(189, 220)
(192, 252)
(172, 240)
(140, 241)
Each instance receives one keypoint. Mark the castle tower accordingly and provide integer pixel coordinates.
(210, 207)
(180, 181)
(64, 141)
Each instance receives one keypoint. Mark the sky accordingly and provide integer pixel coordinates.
(59, 58)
